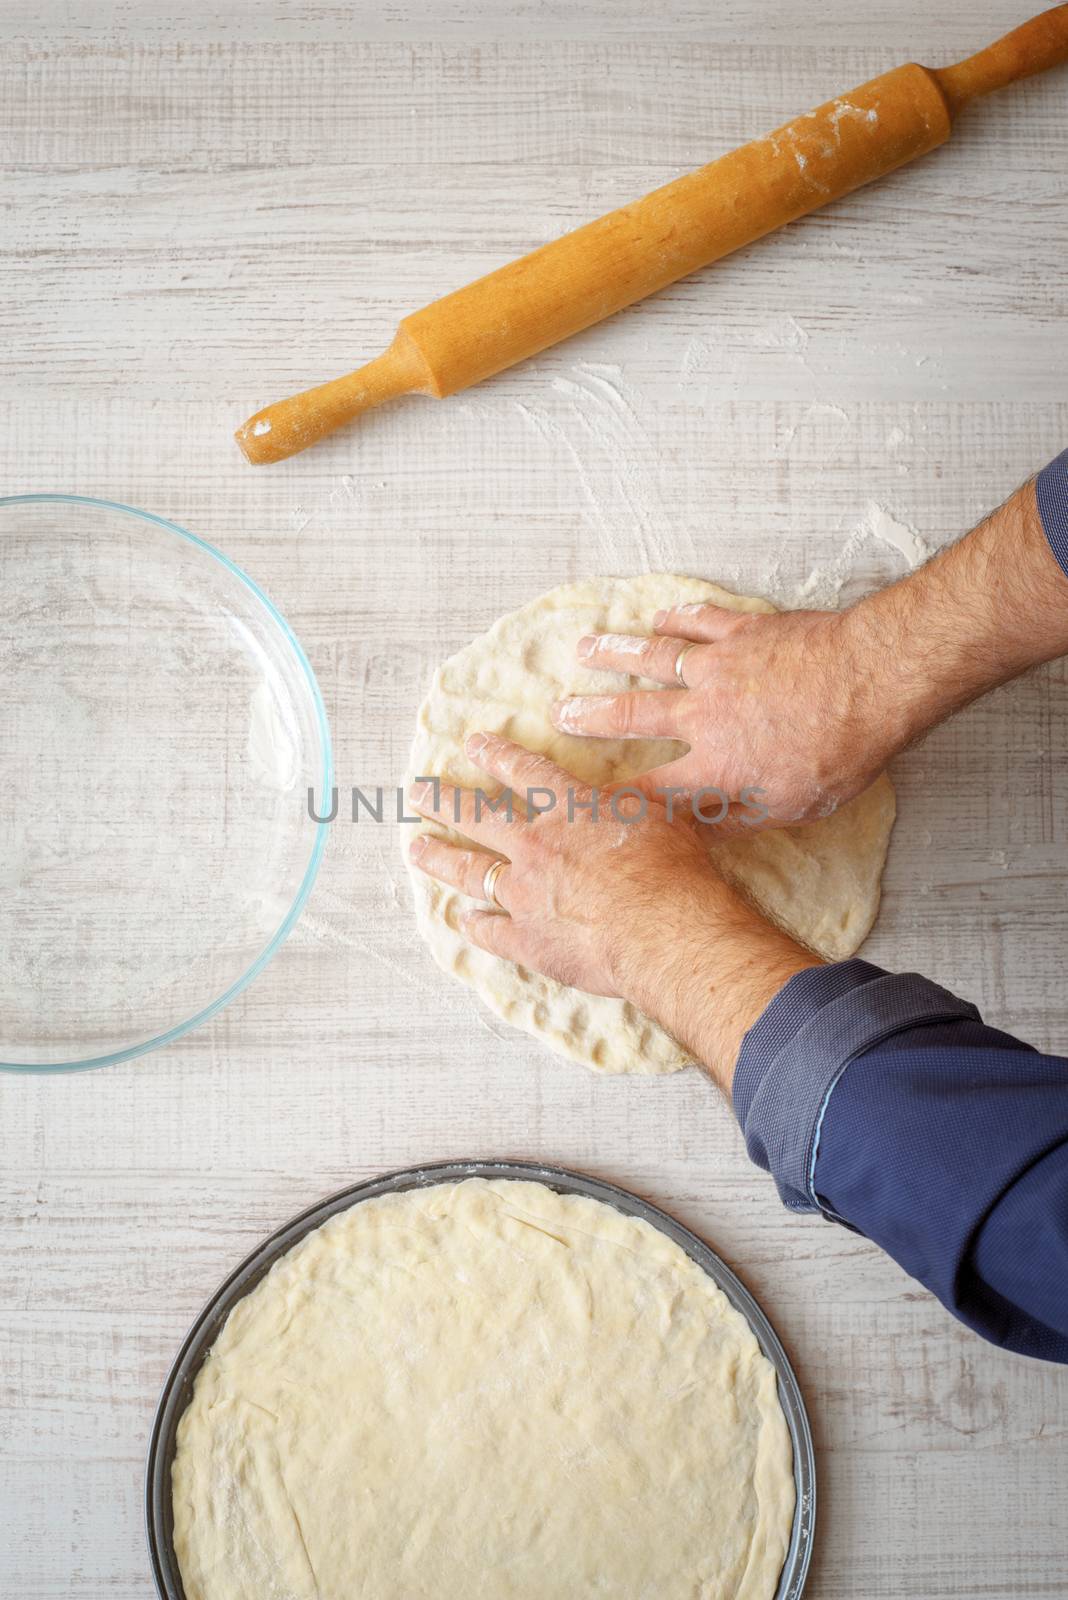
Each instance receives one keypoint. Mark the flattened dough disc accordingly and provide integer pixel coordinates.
(483, 1391)
(820, 881)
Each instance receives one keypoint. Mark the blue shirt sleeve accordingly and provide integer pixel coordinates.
(1051, 492)
(884, 1102)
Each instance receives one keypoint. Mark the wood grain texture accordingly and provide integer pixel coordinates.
(205, 207)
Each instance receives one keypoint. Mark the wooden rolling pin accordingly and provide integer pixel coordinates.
(630, 253)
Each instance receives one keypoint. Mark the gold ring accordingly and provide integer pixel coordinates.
(489, 882)
(679, 659)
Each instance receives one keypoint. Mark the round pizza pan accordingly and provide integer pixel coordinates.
(178, 1388)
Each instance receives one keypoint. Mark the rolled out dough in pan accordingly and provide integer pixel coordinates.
(483, 1391)
(820, 881)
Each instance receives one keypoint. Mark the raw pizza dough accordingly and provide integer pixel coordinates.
(483, 1391)
(820, 881)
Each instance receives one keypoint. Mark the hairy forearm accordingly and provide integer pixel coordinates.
(982, 612)
(714, 966)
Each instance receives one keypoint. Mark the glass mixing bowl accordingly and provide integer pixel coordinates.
(161, 735)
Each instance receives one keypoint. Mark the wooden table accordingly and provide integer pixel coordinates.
(206, 207)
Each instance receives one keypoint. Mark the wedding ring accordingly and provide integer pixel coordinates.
(679, 659)
(489, 882)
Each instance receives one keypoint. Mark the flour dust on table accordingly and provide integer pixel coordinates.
(459, 1390)
(820, 881)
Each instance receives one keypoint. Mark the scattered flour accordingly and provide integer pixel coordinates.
(856, 566)
(615, 457)
(785, 334)
(877, 523)
(846, 108)
(617, 464)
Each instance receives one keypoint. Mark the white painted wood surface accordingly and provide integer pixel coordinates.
(205, 207)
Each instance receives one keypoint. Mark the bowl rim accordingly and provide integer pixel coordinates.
(247, 1274)
(281, 933)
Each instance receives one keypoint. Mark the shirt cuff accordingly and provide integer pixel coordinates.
(794, 1054)
(1051, 492)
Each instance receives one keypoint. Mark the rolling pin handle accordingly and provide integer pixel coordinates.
(1033, 47)
(290, 425)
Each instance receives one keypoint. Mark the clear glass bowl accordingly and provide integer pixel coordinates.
(160, 731)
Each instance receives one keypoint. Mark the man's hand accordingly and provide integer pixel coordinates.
(809, 706)
(621, 902)
(586, 897)
(773, 703)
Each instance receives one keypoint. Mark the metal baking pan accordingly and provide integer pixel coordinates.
(178, 1389)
